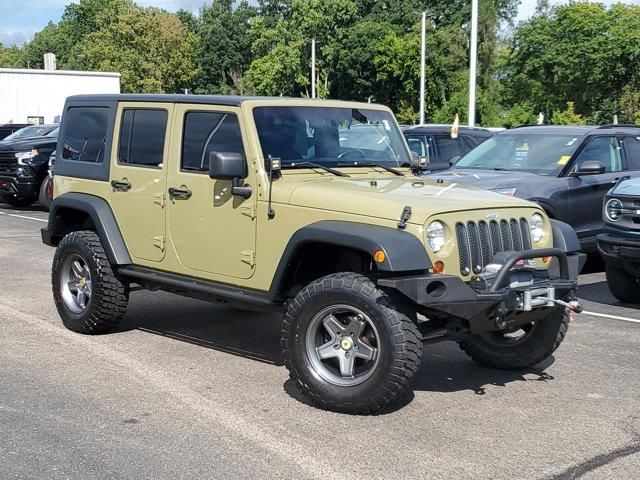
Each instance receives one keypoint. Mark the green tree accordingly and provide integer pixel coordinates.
(567, 116)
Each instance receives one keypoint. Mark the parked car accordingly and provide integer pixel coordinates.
(440, 146)
(7, 129)
(566, 170)
(30, 131)
(24, 165)
(620, 245)
(260, 202)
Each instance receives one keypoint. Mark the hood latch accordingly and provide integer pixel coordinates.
(404, 217)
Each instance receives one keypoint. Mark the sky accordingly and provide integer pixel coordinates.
(20, 19)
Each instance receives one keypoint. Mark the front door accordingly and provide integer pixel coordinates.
(586, 193)
(138, 177)
(212, 231)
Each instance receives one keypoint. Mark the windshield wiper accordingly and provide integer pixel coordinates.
(337, 173)
(373, 164)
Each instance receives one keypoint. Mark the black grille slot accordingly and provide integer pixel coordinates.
(463, 248)
(524, 231)
(8, 161)
(479, 242)
(485, 242)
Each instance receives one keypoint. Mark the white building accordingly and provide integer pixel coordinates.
(37, 96)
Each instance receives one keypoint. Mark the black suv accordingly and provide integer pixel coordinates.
(566, 170)
(24, 165)
(439, 146)
(620, 245)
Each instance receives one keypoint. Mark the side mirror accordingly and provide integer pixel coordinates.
(418, 162)
(230, 166)
(589, 168)
(227, 165)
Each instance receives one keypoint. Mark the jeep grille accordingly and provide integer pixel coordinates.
(8, 161)
(478, 242)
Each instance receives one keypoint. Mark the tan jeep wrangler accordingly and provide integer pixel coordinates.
(310, 208)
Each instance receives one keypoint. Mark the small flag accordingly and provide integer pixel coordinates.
(454, 127)
(540, 118)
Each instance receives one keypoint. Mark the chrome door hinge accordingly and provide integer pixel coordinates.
(158, 198)
(249, 211)
(158, 241)
(248, 257)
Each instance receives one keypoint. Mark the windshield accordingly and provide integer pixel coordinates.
(30, 131)
(537, 153)
(53, 133)
(330, 136)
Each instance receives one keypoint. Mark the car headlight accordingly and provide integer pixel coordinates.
(613, 210)
(536, 228)
(23, 157)
(435, 236)
(511, 192)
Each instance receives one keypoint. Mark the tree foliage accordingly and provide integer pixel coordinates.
(578, 62)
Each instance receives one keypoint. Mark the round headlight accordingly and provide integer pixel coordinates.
(613, 210)
(435, 236)
(536, 228)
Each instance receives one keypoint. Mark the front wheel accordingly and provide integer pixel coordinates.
(45, 196)
(348, 345)
(522, 348)
(623, 286)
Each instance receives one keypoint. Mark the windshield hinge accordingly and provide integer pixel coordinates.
(404, 217)
(158, 241)
(248, 257)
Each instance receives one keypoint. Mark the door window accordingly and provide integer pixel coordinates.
(447, 148)
(206, 132)
(142, 136)
(605, 150)
(632, 152)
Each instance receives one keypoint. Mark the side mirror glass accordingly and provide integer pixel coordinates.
(589, 168)
(227, 165)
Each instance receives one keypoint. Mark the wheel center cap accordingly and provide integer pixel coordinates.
(82, 282)
(346, 343)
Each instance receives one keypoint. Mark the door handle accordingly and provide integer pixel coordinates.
(121, 185)
(182, 193)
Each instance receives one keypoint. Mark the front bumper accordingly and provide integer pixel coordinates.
(22, 188)
(505, 295)
(620, 252)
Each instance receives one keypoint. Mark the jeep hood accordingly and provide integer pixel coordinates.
(385, 198)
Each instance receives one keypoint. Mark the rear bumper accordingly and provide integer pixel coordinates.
(620, 252)
(484, 309)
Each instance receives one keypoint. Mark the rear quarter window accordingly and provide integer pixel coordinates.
(85, 134)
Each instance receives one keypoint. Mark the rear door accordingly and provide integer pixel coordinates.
(586, 193)
(139, 175)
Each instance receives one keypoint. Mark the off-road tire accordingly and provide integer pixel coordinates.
(400, 352)
(623, 286)
(109, 298)
(16, 201)
(546, 336)
(44, 194)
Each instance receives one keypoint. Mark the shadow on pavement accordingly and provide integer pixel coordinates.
(445, 368)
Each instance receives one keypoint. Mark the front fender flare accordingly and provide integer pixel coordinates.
(403, 251)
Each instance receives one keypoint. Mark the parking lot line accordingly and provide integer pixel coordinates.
(612, 317)
(24, 216)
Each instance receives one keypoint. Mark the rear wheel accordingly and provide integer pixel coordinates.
(522, 348)
(89, 297)
(348, 345)
(17, 201)
(624, 287)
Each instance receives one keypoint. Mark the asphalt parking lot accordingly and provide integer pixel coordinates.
(189, 390)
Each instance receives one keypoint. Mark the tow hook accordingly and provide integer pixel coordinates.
(500, 312)
(571, 308)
